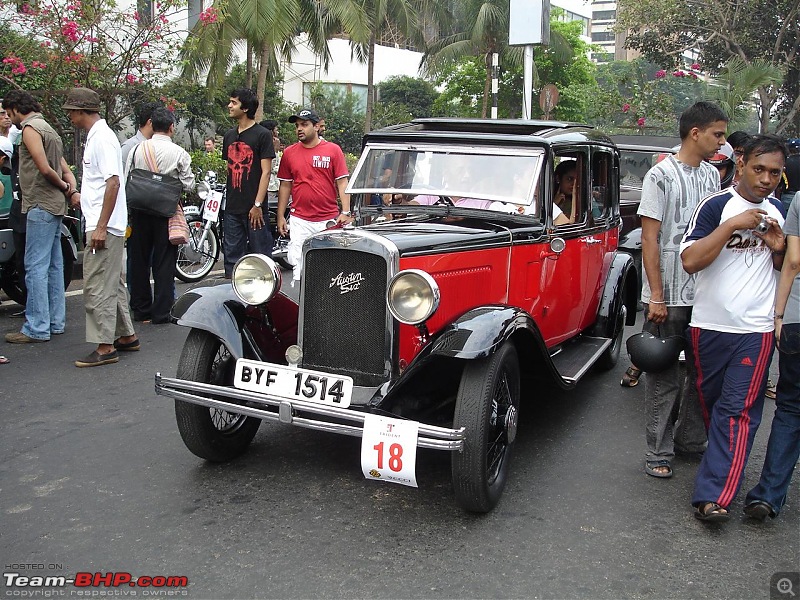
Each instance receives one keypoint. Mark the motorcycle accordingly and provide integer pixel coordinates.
(10, 280)
(198, 256)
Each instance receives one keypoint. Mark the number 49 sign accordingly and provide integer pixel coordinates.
(389, 450)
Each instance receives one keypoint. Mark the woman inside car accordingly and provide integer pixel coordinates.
(565, 176)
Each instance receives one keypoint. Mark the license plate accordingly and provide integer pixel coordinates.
(293, 383)
(212, 206)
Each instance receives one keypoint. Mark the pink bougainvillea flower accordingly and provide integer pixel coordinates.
(679, 73)
(641, 122)
(626, 107)
(660, 74)
(696, 66)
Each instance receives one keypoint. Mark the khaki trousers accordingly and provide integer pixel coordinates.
(105, 297)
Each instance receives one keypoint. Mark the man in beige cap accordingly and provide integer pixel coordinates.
(102, 202)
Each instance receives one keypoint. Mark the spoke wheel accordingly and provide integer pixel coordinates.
(487, 406)
(195, 260)
(210, 433)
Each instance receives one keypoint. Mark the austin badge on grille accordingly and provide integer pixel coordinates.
(347, 283)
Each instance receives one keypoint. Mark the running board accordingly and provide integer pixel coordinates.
(576, 358)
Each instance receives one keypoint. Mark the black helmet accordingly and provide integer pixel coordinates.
(723, 159)
(654, 354)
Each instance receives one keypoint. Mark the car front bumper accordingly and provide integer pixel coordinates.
(270, 408)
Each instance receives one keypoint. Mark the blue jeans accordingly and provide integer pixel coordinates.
(45, 310)
(241, 239)
(783, 448)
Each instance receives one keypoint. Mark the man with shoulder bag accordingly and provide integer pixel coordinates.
(149, 243)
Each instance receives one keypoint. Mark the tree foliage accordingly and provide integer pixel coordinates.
(53, 45)
(415, 94)
(767, 30)
(464, 82)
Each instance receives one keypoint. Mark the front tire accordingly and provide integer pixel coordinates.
(213, 434)
(487, 406)
(195, 261)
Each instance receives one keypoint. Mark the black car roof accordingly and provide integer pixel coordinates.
(499, 130)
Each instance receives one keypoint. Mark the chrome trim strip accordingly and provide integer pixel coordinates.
(430, 436)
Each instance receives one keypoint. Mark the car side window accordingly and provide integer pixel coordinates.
(569, 183)
(602, 176)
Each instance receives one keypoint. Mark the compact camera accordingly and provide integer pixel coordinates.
(763, 226)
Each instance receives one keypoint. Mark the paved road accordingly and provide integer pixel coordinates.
(94, 477)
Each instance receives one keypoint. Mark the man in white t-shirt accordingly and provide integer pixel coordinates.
(103, 204)
(734, 261)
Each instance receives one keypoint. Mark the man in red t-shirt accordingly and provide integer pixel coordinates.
(312, 171)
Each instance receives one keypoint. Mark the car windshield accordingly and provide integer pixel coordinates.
(636, 163)
(486, 178)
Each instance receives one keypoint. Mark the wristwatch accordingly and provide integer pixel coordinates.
(258, 204)
(347, 213)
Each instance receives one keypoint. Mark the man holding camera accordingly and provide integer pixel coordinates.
(734, 244)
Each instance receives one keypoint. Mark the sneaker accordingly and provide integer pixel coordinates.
(95, 359)
(772, 390)
(20, 338)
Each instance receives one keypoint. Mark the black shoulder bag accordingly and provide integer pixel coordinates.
(150, 192)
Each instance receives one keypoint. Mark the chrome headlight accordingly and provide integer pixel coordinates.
(256, 279)
(203, 190)
(413, 296)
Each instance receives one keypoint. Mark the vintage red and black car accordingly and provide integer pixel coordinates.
(429, 321)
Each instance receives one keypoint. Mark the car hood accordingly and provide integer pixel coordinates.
(441, 234)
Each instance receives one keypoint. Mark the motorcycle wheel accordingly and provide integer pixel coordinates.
(194, 262)
(13, 285)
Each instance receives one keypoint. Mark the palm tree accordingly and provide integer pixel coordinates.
(408, 18)
(737, 83)
(483, 31)
(271, 28)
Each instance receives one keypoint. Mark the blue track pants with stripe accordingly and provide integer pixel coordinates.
(732, 371)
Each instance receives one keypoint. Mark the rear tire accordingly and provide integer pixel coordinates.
(194, 262)
(487, 406)
(213, 434)
(608, 359)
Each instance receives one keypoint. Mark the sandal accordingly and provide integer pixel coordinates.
(4, 360)
(711, 512)
(631, 377)
(653, 468)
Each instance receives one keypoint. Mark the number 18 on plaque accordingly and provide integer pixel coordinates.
(389, 450)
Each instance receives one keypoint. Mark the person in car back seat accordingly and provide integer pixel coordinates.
(565, 176)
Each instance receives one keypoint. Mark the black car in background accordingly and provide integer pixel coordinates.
(637, 153)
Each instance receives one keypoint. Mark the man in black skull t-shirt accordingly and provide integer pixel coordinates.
(249, 152)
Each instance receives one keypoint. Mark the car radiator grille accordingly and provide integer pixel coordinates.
(344, 314)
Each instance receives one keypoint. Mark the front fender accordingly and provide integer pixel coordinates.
(480, 331)
(620, 289)
(216, 310)
(476, 334)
